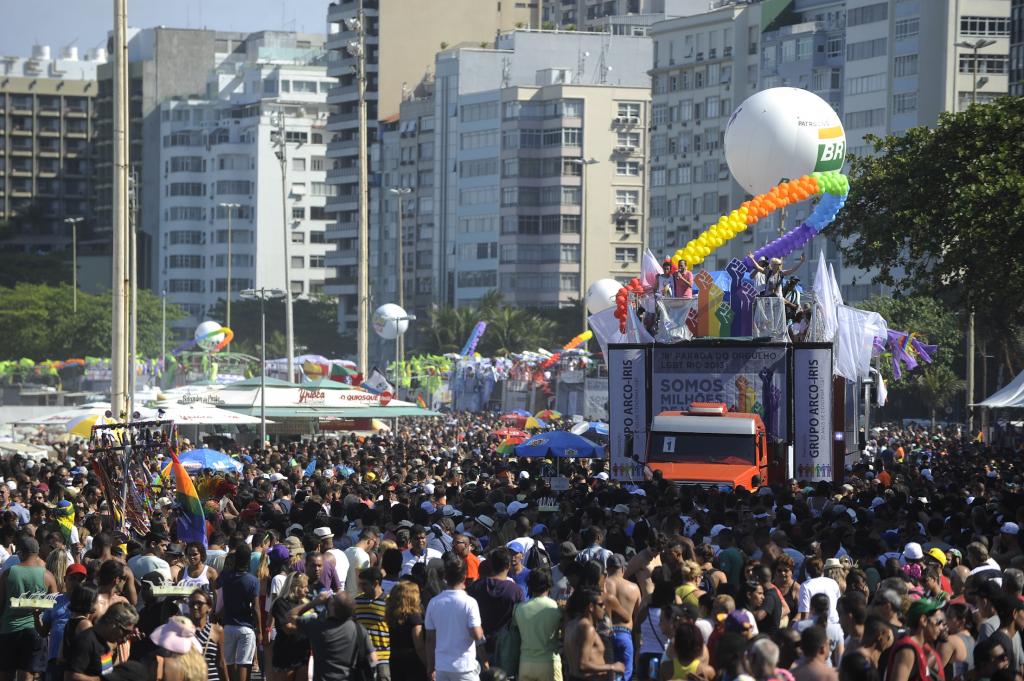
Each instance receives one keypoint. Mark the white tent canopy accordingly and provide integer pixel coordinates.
(1010, 396)
(203, 414)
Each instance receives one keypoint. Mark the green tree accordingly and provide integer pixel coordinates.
(39, 323)
(938, 212)
(511, 329)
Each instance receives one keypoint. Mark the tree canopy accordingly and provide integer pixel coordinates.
(39, 323)
(938, 212)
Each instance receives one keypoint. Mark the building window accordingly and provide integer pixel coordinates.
(865, 119)
(186, 189)
(867, 49)
(299, 164)
(627, 197)
(659, 114)
(298, 262)
(907, 28)
(629, 110)
(628, 139)
(630, 226)
(987, 63)
(298, 213)
(991, 26)
(834, 47)
(867, 14)
(862, 84)
(297, 288)
(904, 103)
(905, 65)
(318, 163)
(317, 261)
(626, 255)
(177, 262)
(298, 237)
(627, 168)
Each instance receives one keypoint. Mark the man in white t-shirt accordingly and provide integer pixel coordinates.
(333, 558)
(453, 629)
(818, 584)
(151, 560)
(418, 551)
(358, 556)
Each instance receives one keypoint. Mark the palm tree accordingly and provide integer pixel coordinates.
(515, 329)
(937, 385)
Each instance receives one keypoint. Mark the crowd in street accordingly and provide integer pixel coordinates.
(421, 554)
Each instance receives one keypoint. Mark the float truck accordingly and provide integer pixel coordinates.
(709, 445)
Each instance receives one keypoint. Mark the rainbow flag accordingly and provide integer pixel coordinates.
(191, 520)
(420, 402)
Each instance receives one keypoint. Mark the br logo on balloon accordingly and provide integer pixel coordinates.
(209, 336)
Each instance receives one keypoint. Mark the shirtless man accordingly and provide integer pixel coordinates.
(814, 646)
(583, 648)
(627, 594)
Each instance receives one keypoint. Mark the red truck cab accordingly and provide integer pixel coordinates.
(709, 445)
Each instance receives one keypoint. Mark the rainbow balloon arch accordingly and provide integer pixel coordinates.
(830, 188)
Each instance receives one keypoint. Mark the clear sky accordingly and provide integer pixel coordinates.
(85, 23)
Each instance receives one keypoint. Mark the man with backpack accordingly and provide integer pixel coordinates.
(496, 595)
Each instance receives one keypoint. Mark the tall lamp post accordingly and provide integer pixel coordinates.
(357, 49)
(281, 142)
(584, 163)
(400, 341)
(229, 207)
(263, 295)
(974, 47)
(74, 261)
(979, 44)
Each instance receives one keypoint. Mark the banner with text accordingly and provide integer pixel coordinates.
(748, 379)
(627, 406)
(812, 406)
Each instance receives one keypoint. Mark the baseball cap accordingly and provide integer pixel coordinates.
(516, 507)
(912, 551)
(601, 476)
(76, 569)
(486, 521)
(922, 606)
(739, 621)
(515, 547)
(1010, 528)
(620, 508)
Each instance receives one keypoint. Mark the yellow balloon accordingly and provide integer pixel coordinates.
(717, 243)
(675, 260)
(704, 251)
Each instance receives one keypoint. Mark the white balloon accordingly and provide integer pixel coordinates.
(781, 134)
(203, 336)
(388, 322)
(601, 295)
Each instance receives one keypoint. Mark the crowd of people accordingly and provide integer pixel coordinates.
(421, 554)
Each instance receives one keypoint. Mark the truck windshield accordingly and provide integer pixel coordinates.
(702, 448)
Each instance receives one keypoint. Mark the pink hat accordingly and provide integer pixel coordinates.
(177, 636)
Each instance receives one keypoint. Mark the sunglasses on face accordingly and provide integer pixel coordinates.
(198, 604)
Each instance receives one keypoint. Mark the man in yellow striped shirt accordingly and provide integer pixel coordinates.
(369, 612)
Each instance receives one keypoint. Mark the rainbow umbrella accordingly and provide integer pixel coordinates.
(534, 423)
(549, 414)
(507, 446)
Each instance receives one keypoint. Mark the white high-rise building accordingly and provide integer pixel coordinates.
(221, 167)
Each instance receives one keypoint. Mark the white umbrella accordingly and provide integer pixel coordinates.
(198, 413)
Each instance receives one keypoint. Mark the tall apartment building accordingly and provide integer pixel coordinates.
(221, 171)
(47, 128)
(1017, 48)
(704, 66)
(530, 137)
(402, 37)
(595, 15)
(162, 63)
(526, 170)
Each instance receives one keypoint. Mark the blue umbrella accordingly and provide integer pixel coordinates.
(596, 431)
(210, 459)
(560, 443)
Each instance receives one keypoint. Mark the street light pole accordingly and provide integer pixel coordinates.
(584, 164)
(357, 49)
(262, 294)
(230, 207)
(163, 326)
(979, 44)
(282, 157)
(74, 261)
(400, 339)
(974, 47)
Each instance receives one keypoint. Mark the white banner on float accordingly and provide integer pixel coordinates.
(627, 407)
(812, 406)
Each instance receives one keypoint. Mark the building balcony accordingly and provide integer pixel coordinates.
(340, 204)
(343, 148)
(22, 132)
(76, 113)
(339, 173)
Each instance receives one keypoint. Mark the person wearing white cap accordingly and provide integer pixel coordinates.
(335, 559)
